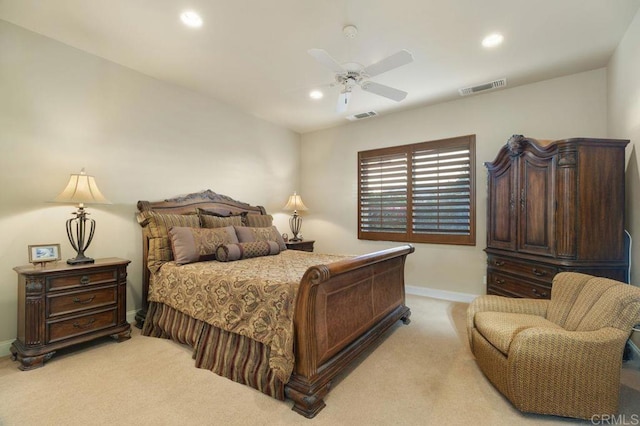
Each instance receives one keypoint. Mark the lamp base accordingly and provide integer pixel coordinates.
(80, 260)
(295, 223)
(77, 238)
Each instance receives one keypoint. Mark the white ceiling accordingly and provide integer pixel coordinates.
(253, 53)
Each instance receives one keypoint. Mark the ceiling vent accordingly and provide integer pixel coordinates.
(362, 115)
(495, 84)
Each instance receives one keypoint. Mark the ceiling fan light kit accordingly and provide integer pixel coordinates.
(350, 31)
(350, 75)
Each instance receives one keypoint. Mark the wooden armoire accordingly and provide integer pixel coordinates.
(552, 207)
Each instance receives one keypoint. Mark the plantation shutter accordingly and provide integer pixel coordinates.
(383, 192)
(441, 190)
(422, 192)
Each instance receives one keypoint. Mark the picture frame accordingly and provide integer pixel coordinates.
(42, 253)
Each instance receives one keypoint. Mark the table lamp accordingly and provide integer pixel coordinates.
(295, 222)
(81, 189)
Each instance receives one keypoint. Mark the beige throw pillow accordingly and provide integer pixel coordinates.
(158, 226)
(248, 234)
(214, 220)
(230, 252)
(198, 244)
(259, 220)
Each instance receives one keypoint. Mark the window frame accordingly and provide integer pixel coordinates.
(468, 142)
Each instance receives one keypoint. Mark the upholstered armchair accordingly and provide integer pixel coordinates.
(561, 356)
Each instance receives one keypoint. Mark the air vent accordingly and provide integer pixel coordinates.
(362, 115)
(495, 84)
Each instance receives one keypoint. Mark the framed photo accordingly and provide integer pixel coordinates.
(41, 253)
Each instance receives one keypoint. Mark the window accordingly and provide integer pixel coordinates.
(422, 193)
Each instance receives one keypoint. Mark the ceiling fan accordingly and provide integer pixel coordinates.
(350, 75)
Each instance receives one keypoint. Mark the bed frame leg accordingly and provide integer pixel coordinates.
(308, 403)
(141, 316)
(405, 318)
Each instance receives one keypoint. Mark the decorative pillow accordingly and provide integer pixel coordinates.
(259, 220)
(248, 234)
(198, 244)
(229, 252)
(210, 219)
(157, 228)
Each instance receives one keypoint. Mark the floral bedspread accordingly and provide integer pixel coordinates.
(251, 297)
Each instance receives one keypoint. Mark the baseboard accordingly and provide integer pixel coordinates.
(131, 317)
(4, 348)
(5, 345)
(452, 296)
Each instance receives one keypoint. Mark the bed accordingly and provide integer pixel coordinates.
(285, 324)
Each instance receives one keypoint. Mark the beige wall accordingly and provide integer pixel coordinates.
(564, 107)
(62, 109)
(624, 122)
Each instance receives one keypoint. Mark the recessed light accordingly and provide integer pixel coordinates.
(492, 40)
(316, 94)
(191, 19)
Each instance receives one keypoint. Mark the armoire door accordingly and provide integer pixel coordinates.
(536, 205)
(501, 208)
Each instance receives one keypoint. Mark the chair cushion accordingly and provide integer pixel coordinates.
(499, 328)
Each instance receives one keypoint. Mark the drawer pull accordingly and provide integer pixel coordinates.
(499, 281)
(83, 302)
(543, 294)
(87, 325)
(539, 273)
(85, 279)
(498, 263)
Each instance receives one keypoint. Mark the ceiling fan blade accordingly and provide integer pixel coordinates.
(343, 101)
(396, 60)
(382, 90)
(325, 59)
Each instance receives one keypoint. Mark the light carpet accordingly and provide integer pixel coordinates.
(421, 374)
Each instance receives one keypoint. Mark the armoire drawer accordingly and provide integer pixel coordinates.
(531, 270)
(507, 285)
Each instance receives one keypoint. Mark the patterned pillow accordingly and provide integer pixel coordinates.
(230, 252)
(157, 229)
(248, 234)
(209, 219)
(259, 220)
(198, 244)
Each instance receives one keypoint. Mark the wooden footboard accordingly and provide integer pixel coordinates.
(342, 309)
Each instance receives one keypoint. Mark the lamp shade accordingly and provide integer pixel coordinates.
(295, 203)
(82, 189)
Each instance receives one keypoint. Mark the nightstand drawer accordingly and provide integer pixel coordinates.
(82, 279)
(83, 324)
(82, 300)
(303, 245)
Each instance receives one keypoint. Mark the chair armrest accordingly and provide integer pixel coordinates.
(494, 303)
(570, 370)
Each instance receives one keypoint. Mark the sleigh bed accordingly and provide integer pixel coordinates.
(285, 324)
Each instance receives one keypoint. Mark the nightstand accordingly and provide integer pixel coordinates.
(304, 245)
(61, 305)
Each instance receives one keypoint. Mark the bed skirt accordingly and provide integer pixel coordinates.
(227, 354)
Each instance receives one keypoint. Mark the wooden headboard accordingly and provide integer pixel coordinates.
(185, 204)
